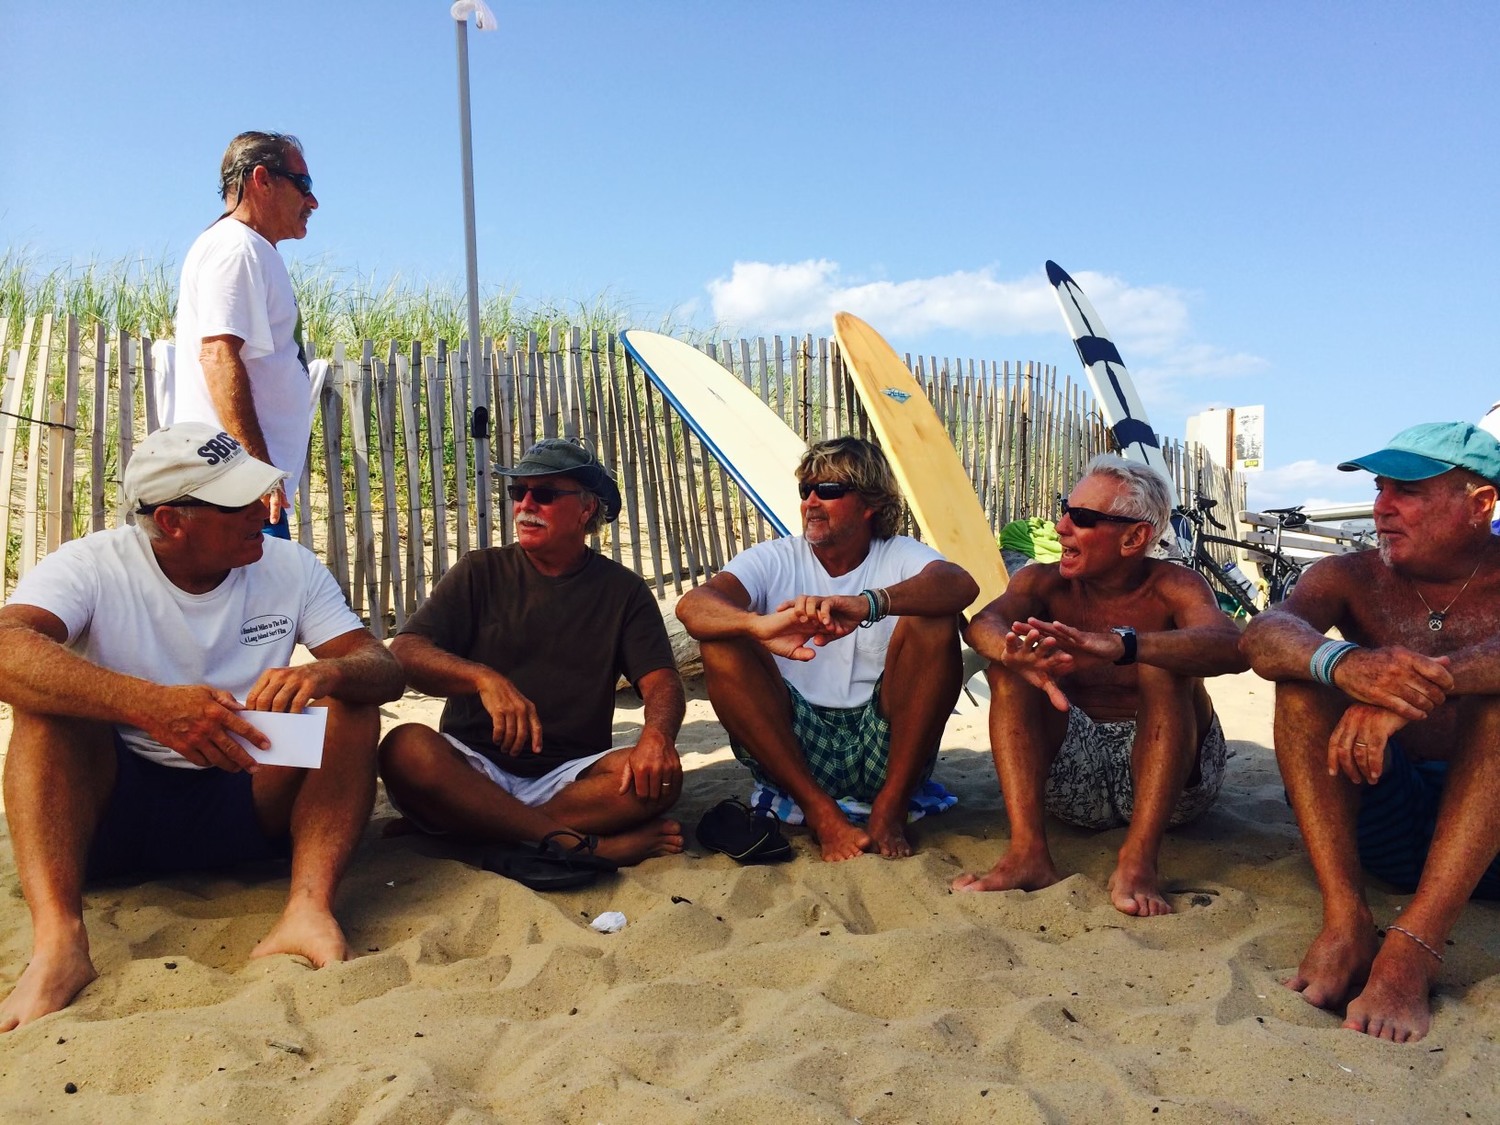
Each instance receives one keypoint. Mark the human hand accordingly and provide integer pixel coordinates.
(834, 615)
(1356, 748)
(1396, 679)
(1105, 648)
(516, 723)
(791, 634)
(291, 689)
(652, 767)
(196, 721)
(1037, 659)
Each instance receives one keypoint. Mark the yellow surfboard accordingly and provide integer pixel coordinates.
(938, 490)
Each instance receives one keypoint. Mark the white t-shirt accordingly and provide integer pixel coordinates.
(235, 283)
(842, 674)
(122, 613)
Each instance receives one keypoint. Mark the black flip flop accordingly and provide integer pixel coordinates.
(550, 864)
(732, 828)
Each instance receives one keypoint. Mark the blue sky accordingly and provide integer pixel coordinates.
(1278, 203)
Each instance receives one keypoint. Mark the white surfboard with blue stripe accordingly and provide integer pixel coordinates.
(1122, 408)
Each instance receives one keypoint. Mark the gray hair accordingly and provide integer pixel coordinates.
(1144, 493)
(596, 521)
(247, 152)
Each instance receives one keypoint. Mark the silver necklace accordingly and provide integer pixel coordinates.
(1436, 617)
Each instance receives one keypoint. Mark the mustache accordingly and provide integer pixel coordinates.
(530, 521)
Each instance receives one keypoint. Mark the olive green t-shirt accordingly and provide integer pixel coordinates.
(564, 642)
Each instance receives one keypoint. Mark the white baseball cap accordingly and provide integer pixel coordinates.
(198, 460)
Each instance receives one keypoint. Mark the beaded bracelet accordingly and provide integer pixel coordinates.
(880, 606)
(1327, 658)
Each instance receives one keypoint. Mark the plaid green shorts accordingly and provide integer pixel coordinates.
(847, 749)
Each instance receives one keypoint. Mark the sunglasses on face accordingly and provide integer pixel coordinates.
(299, 180)
(539, 492)
(826, 490)
(1088, 517)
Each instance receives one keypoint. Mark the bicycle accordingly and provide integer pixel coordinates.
(1238, 594)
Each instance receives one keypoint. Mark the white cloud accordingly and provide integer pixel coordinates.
(1150, 323)
(1313, 483)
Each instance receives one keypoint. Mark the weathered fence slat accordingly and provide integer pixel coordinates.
(37, 413)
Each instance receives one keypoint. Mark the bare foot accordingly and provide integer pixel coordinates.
(838, 838)
(306, 931)
(1395, 1004)
(49, 983)
(655, 837)
(1135, 888)
(888, 834)
(1336, 963)
(1013, 871)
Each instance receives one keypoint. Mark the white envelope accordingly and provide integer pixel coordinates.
(296, 740)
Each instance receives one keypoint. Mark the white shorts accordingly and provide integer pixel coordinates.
(530, 791)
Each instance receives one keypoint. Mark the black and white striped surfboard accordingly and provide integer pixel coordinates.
(1122, 408)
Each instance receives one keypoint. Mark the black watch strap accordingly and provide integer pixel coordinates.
(1127, 637)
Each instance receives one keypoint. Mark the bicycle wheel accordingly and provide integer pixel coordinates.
(1282, 588)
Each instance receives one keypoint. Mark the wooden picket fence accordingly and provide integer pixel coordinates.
(394, 494)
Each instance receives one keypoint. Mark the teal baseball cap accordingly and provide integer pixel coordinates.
(1430, 450)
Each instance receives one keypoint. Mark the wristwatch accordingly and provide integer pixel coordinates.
(1127, 637)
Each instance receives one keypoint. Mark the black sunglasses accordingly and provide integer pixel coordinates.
(826, 489)
(542, 494)
(1088, 517)
(299, 180)
(194, 502)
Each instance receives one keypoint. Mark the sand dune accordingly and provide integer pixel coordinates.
(797, 993)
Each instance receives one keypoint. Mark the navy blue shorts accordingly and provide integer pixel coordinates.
(161, 820)
(1397, 818)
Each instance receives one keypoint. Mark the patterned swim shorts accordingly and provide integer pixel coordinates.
(1090, 783)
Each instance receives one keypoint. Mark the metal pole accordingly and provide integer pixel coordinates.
(479, 384)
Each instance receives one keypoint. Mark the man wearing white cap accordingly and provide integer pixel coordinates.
(1386, 737)
(126, 655)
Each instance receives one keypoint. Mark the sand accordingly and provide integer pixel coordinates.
(803, 992)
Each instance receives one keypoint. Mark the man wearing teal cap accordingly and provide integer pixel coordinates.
(1387, 736)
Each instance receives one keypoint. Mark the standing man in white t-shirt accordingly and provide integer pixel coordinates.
(131, 658)
(832, 657)
(240, 360)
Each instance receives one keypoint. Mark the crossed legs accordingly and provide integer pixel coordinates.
(429, 779)
(920, 685)
(1387, 985)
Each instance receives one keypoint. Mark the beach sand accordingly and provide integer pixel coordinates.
(795, 993)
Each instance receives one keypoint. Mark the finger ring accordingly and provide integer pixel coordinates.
(1361, 744)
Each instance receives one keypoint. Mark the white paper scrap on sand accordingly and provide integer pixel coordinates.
(296, 740)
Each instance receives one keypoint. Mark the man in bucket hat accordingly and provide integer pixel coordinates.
(527, 642)
(1387, 737)
(130, 657)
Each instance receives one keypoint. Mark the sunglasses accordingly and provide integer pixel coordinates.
(299, 180)
(194, 502)
(826, 489)
(539, 492)
(1088, 517)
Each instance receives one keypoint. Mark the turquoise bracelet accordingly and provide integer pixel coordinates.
(1327, 658)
